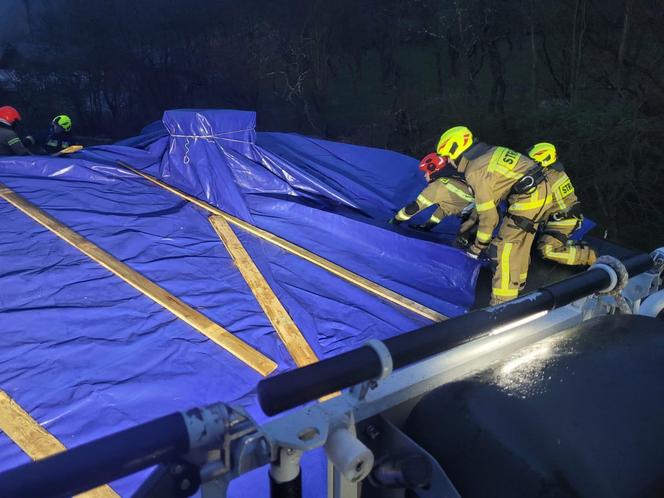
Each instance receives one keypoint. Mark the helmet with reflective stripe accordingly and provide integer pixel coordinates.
(63, 121)
(454, 142)
(432, 163)
(543, 153)
(9, 115)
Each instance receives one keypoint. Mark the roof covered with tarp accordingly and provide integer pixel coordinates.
(86, 354)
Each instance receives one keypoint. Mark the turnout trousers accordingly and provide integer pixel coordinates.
(510, 249)
(555, 245)
(510, 258)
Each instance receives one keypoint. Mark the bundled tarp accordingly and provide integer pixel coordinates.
(85, 354)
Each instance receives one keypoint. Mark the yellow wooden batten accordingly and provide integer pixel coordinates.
(216, 333)
(35, 441)
(283, 324)
(333, 268)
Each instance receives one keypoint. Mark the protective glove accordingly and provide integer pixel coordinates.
(475, 251)
(424, 227)
(461, 242)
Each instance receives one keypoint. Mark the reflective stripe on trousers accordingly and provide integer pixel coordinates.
(511, 257)
(552, 248)
(503, 269)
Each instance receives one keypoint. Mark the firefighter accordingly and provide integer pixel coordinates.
(495, 174)
(565, 217)
(59, 137)
(447, 190)
(10, 143)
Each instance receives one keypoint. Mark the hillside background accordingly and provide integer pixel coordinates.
(587, 75)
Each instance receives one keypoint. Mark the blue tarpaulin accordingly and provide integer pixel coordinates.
(86, 355)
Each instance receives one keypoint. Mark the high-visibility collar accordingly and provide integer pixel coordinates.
(558, 166)
(475, 151)
(448, 172)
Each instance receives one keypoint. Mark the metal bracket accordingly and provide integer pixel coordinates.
(658, 268)
(612, 275)
(658, 257)
(387, 441)
(384, 355)
(360, 391)
(653, 305)
(178, 479)
(243, 446)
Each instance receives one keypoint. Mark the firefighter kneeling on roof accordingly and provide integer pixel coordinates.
(495, 174)
(554, 243)
(447, 190)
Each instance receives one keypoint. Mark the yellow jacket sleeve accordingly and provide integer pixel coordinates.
(486, 200)
(423, 201)
(487, 214)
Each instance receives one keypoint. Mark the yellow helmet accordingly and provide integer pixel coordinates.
(63, 121)
(454, 142)
(543, 153)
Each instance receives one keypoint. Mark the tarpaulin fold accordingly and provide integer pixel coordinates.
(87, 355)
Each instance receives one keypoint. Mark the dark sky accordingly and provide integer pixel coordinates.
(13, 24)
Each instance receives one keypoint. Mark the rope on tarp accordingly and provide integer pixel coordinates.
(212, 138)
(221, 135)
(335, 269)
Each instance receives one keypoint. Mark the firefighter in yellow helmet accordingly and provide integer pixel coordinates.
(495, 174)
(564, 216)
(447, 190)
(59, 136)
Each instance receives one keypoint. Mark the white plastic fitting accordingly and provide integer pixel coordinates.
(612, 275)
(653, 305)
(287, 467)
(349, 455)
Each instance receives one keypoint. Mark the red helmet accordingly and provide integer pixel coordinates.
(432, 163)
(9, 115)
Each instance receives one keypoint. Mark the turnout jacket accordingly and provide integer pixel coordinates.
(491, 172)
(57, 142)
(562, 190)
(10, 143)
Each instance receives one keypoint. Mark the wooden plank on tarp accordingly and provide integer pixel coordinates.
(331, 267)
(283, 324)
(35, 441)
(213, 331)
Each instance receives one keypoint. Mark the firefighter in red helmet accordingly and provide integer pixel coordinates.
(10, 143)
(447, 190)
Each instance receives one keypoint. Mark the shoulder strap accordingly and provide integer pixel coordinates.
(476, 150)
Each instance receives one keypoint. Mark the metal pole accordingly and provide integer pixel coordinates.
(296, 387)
(104, 460)
(99, 462)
